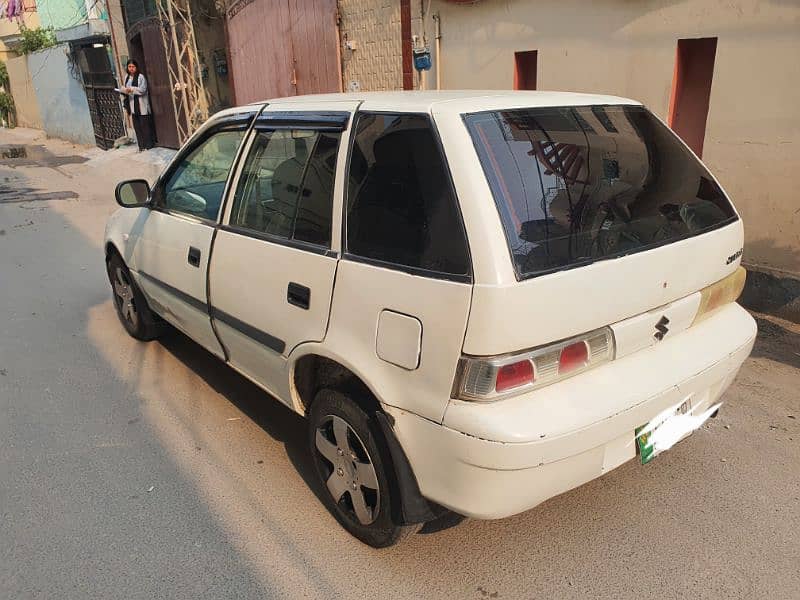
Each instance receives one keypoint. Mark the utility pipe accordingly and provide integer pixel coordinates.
(437, 20)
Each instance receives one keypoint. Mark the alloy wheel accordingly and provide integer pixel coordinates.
(351, 478)
(123, 292)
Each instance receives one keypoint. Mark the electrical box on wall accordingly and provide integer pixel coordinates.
(422, 58)
(220, 62)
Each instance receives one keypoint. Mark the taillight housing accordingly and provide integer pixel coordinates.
(720, 293)
(485, 379)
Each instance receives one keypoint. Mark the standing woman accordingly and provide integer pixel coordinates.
(138, 104)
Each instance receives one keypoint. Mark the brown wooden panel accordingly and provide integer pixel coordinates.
(146, 46)
(315, 43)
(260, 50)
(525, 68)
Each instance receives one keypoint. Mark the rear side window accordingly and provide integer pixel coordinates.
(579, 184)
(286, 188)
(400, 205)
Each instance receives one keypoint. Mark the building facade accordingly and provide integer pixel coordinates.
(26, 110)
(724, 75)
(68, 89)
(10, 28)
(210, 69)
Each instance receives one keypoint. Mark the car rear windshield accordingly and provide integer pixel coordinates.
(578, 184)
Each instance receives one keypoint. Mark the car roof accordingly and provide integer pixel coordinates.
(452, 101)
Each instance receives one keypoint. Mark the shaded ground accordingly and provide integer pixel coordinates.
(131, 470)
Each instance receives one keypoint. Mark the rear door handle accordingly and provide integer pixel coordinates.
(194, 256)
(298, 295)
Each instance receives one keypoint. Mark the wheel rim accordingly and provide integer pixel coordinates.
(123, 294)
(348, 470)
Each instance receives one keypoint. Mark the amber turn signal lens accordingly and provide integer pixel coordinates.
(720, 293)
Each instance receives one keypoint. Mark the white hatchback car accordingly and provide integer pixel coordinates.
(480, 300)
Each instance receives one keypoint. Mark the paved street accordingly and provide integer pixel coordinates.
(152, 470)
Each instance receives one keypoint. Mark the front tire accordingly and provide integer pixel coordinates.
(353, 470)
(131, 306)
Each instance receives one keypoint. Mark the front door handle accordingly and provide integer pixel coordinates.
(298, 295)
(194, 256)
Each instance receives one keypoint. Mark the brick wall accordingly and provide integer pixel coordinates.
(374, 27)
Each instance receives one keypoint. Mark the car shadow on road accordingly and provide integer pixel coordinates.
(271, 415)
(276, 419)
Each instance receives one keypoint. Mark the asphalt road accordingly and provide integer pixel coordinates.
(151, 470)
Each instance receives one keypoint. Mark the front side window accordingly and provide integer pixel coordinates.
(197, 184)
(578, 184)
(286, 188)
(400, 205)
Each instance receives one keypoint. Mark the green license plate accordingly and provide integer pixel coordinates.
(645, 434)
(645, 445)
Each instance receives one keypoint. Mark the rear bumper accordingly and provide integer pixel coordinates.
(475, 475)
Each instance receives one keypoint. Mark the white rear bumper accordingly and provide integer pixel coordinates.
(495, 460)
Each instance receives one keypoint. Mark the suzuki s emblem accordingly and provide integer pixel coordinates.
(661, 328)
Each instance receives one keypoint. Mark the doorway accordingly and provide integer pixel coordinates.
(99, 82)
(691, 90)
(525, 69)
(147, 48)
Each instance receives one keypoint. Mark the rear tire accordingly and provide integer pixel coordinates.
(135, 315)
(353, 471)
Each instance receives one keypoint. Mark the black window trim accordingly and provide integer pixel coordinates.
(309, 124)
(431, 274)
(325, 120)
(523, 277)
(238, 122)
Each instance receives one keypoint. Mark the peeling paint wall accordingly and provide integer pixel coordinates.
(62, 100)
(752, 140)
(25, 101)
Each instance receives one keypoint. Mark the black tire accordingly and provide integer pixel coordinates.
(135, 315)
(364, 440)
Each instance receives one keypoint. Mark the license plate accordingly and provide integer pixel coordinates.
(668, 428)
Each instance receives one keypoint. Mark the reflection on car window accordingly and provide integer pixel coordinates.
(286, 188)
(400, 205)
(578, 184)
(197, 185)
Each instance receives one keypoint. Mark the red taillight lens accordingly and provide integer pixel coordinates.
(574, 356)
(514, 375)
(487, 378)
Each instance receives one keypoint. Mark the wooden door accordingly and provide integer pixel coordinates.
(147, 47)
(316, 59)
(283, 48)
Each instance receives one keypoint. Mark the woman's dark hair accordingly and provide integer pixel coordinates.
(134, 63)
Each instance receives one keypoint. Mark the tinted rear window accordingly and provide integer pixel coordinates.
(578, 184)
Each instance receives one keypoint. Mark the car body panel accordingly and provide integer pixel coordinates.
(579, 431)
(361, 294)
